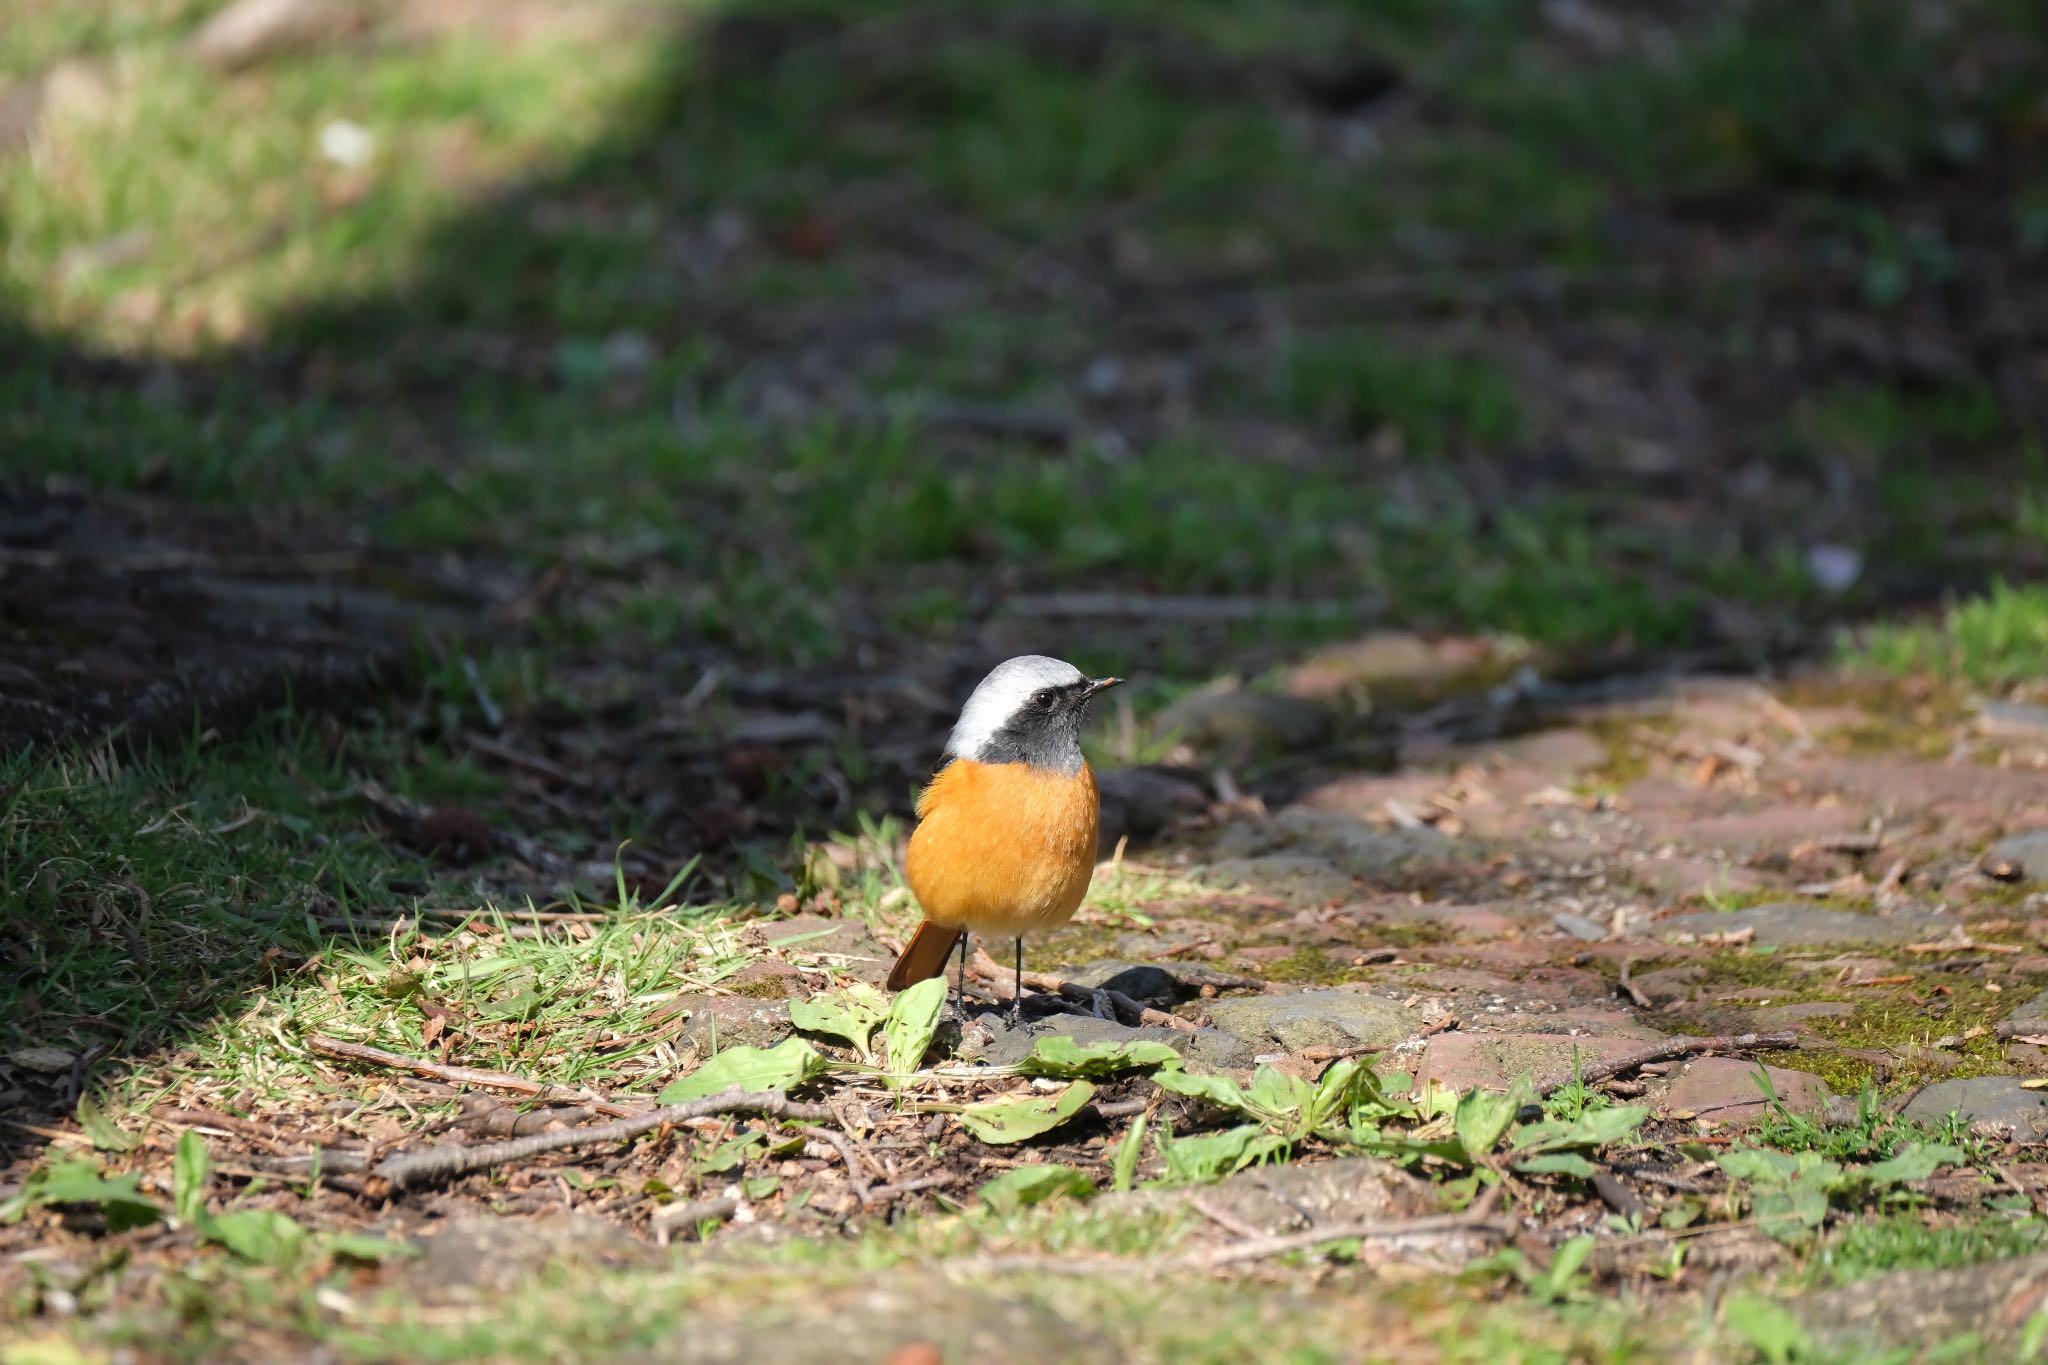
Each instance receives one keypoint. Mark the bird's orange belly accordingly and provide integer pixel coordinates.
(1003, 848)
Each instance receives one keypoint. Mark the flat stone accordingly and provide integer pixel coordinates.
(720, 1021)
(1579, 927)
(1291, 1198)
(2033, 1011)
(1993, 1103)
(2019, 857)
(1290, 1023)
(494, 1254)
(1799, 923)
(917, 1317)
(848, 943)
(1724, 1090)
(1293, 877)
(1900, 1314)
(1773, 827)
(1355, 848)
(1463, 1061)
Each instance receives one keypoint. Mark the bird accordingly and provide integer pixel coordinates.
(1005, 841)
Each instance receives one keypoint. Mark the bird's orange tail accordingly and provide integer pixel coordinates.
(924, 957)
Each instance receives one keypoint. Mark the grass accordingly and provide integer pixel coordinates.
(1993, 642)
(506, 374)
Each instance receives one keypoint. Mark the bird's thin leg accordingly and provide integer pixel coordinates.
(1017, 1000)
(960, 984)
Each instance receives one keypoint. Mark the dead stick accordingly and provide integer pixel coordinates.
(466, 1075)
(1633, 991)
(452, 1159)
(1665, 1052)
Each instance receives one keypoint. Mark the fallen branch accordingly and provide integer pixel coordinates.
(453, 1159)
(467, 1075)
(1669, 1050)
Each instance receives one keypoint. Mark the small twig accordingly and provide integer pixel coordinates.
(467, 1075)
(1668, 1050)
(861, 1191)
(1964, 946)
(670, 1217)
(451, 1159)
(881, 1194)
(533, 763)
(2033, 1197)
(1629, 987)
(1669, 1181)
(1229, 1222)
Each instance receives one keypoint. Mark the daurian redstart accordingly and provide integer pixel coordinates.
(1005, 838)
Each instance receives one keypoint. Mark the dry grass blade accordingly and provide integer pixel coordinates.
(466, 1075)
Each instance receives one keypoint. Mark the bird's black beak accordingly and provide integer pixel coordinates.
(1100, 685)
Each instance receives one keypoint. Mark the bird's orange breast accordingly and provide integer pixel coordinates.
(1003, 848)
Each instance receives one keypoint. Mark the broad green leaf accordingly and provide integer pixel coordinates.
(732, 1153)
(1557, 1163)
(1025, 1116)
(760, 1186)
(1915, 1161)
(1769, 1328)
(1211, 1156)
(1123, 1167)
(1027, 1185)
(1216, 1089)
(1789, 1213)
(1481, 1118)
(852, 1014)
(1601, 1127)
(1276, 1093)
(1594, 1128)
(106, 1134)
(1759, 1165)
(1063, 1058)
(360, 1246)
(1564, 1267)
(913, 1019)
(789, 1063)
(263, 1236)
(188, 1178)
(119, 1199)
